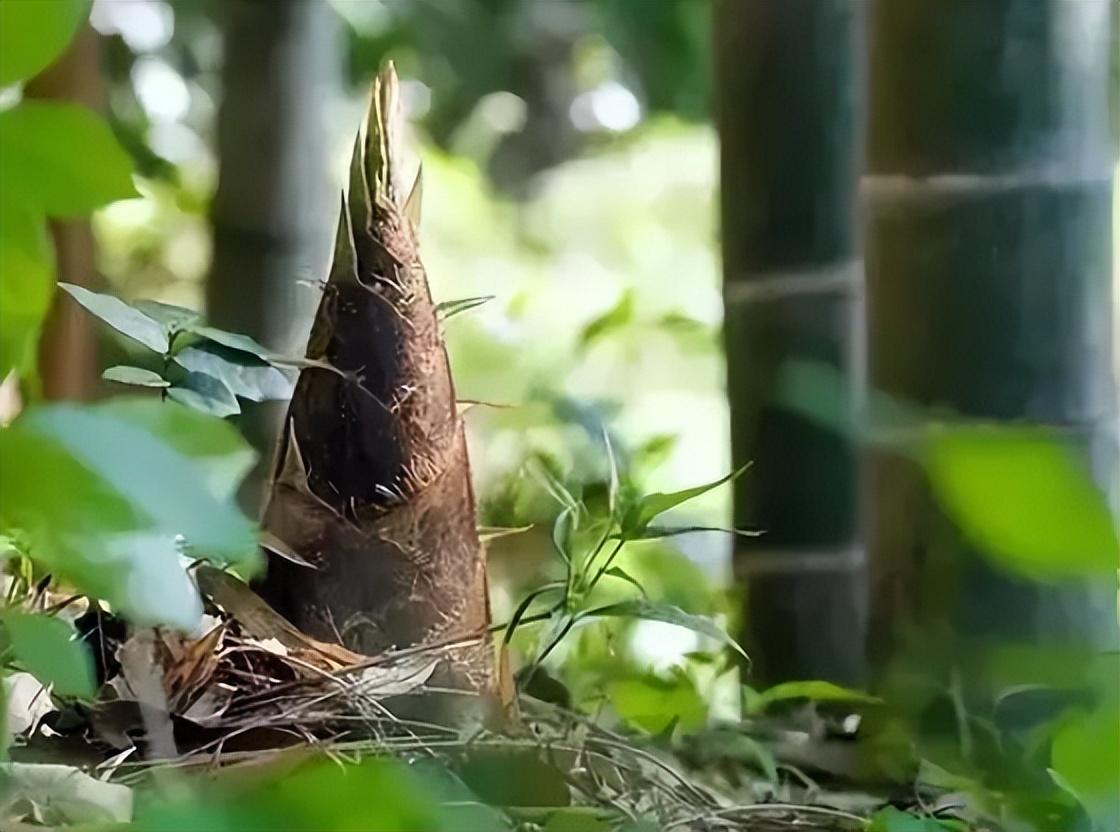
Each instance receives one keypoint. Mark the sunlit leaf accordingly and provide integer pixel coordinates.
(1085, 755)
(816, 691)
(1024, 500)
(26, 278)
(243, 373)
(61, 159)
(639, 515)
(652, 611)
(890, 819)
(652, 703)
(121, 317)
(205, 394)
(136, 376)
(34, 33)
(46, 648)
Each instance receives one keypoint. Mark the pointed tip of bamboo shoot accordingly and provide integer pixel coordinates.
(384, 162)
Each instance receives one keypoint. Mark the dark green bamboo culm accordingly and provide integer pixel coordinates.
(789, 93)
(988, 282)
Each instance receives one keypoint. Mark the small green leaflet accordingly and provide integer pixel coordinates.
(45, 646)
(136, 376)
(121, 317)
(233, 340)
(650, 611)
(619, 315)
(173, 318)
(641, 514)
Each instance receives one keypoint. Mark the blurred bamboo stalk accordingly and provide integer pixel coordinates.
(272, 210)
(68, 365)
(988, 278)
(789, 100)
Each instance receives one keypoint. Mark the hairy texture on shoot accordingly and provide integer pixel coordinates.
(371, 485)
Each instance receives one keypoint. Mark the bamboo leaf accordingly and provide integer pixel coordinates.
(639, 516)
(121, 317)
(232, 340)
(618, 316)
(136, 376)
(816, 691)
(668, 614)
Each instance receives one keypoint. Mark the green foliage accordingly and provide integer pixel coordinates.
(655, 704)
(61, 160)
(56, 160)
(643, 610)
(1022, 497)
(1085, 759)
(33, 33)
(46, 648)
(204, 368)
(110, 501)
(890, 819)
(635, 523)
(814, 691)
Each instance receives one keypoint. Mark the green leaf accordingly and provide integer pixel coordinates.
(214, 447)
(243, 373)
(205, 394)
(173, 318)
(618, 316)
(136, 376)
(578, 819)
(623, 575)
(34, 33)
(816, 691)
(61, 159)
(155, 479)
(1024, 500)
(233, 340)
(121, 317)
(639, 515)
(26, 277)
(890, 819)
(451, 308)
(652, 703)
(1085, 755)
(652, 611)
(45, 646)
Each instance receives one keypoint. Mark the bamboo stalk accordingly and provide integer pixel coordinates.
(789, 87)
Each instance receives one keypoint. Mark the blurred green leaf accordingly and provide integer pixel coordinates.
(1024, 500)
(1086, 757)
(205, 394)
(26, 275)
(46, 648)
(514, 777)
(136, 376)
(640, 514)
(578, 819)
(618, 316)
(320, 797)
(652, 703)
(816, 691)
(213, 446)
(121, 317)
(61, 159)
(890, 819)
(652, 611)
(243, 373)
(34, 33)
